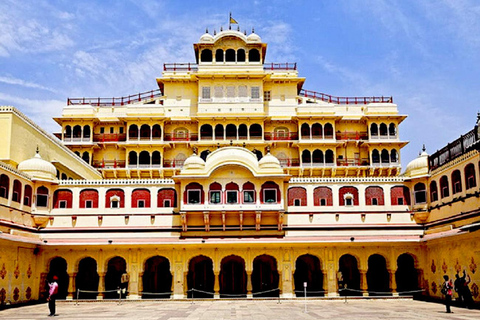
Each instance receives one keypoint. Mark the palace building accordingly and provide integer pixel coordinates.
(231, 180)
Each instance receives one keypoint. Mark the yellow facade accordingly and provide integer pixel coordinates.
(229, 180)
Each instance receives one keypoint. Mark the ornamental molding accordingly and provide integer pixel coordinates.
(347, 180)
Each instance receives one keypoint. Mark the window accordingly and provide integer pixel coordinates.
(102, 130)
(206, 93)
(42, 200)
(400, 201)
(3, 192)
(218, 92)
(248, 196)
(62, 204)
(121, 130)
(267, 96)
(297, 202)
(26, 201)
(88, 204)
(232, 197)
(230, 92)
(270, 195)
(215, 197)
(114, 204)
(323, 202)
(255, 92)
(111, 130)
(374, 202)
(242, 91)
(141, 204)
(193, 196)
(420, 193)
(348, 197)
(167, 203)
(16, 196)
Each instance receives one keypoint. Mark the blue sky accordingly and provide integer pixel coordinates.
(423, 53)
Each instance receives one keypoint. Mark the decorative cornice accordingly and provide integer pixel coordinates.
(346, 180)
(119, 182)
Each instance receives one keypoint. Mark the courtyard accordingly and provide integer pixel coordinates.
(375, 309)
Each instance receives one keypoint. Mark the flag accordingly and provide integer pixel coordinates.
(232, 21)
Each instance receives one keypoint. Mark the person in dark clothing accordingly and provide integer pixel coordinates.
(466, 293)
(459, 287)
(447, 290)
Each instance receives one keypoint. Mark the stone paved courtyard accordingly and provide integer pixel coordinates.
(245, 309)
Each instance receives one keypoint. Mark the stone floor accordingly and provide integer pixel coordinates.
(245, 309)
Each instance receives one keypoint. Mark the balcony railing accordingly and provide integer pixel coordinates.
(453, 149)
(280, 66)
(76, 139)
(344, 100)
(173, 163)
(281, 136)
(115, 101)
(181, 137)
(352, 135)
(109, 164)
(352, 162)
(194, 67)
(109, 137)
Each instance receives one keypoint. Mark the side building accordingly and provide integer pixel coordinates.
(230, 180)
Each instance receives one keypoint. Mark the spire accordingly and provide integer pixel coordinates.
(206, 30)
(424, 149)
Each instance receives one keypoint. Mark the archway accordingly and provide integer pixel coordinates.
(308, 269)
(348, 266)
(406, 275)
(157, 278)
(113, 279)
(378, 278)
(87, 279)
(200, 277)
(233, 278)
(58, 267)
(265, 277)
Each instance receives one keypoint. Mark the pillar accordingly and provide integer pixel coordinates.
(393, 282)
(101, 285)
(249, 284)
(216, 286)
(363, 282)
(71, 286)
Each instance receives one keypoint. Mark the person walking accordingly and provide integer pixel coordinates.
(447, 290)
(52, 295)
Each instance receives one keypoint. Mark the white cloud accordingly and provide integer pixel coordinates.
(23, 83)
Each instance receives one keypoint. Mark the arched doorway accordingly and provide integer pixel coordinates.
(308, 269)
(265, 277)
(113, 279)
(200, 277)
(157, 278)
(58, 267)
(406, 275)
(378, 278)
(348, 266)
(233, 278)
(87, 279)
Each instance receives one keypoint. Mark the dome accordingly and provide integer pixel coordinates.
(194, 162)
(254, 38)
(418, 167)
(38, 168)
(207, 37)
(269, 161)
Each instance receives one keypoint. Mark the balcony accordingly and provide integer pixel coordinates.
(181, 137)
(121, 101)
(109, 137)
(193, 67)
(383, 137)
(352, 135)
(109, 164)
(281, 136)
(344, 100)
(77, 139)
(352, 162)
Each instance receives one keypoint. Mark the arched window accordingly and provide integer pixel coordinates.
(4, 186)
(231, 131)
(114, 198)
(383, 129)
(219, 55)
(141, 198)
(215, 193)
(328, 129)
(206, 55)
(241, 55)
(157, 132)
(219, 132)
(242, 131)
(230, 55)
(317, 131)
(373, 129)
(374, 196)
(470, 180)
(348, 196)
(156, 159)
(144, 159)
(88, 199)
(306, 158)
(194, 194)
(232, 191)
(297, 196)
(433, 191)
(145, 132)
(77, 131)
(86, 157)
(399, 195)
(206, 132)
(255, 131)
(456, 182)
(420, 193)
(392, 130)
(253, 55)
(249, 193)
(68, 132)
(317, 157)
(133, 132)
(393, 156)
(305, 131)
(167, 198)
(27, 196)
(444, 187)
(86, 132)
(62, 199)
(42, 197)
(17, 191)
(385, 156)
(322, 196)
(375, 156)
(270, 193)
(180, 134)
(329, 157)
(132, 158)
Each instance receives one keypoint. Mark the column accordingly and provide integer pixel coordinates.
(216, 286)
(363, 282)
(71, 286)
(393, 282)
(249, 284)
(101, 285)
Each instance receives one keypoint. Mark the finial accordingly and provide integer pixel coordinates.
(424, 149)
(245, 32)
(214, 32)
(221, 29)
(229, 27)
(253, 30)
(195, 150)
(206, 30)
(218, 145)
(268, 149)
(238, 28)
(231, 142)
(244, 144)
(37, 149)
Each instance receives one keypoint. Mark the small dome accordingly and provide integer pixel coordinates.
(194, 162)
(418, 167)
(38, 168)
(207, 37)
(269, 161)
(254, 38)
